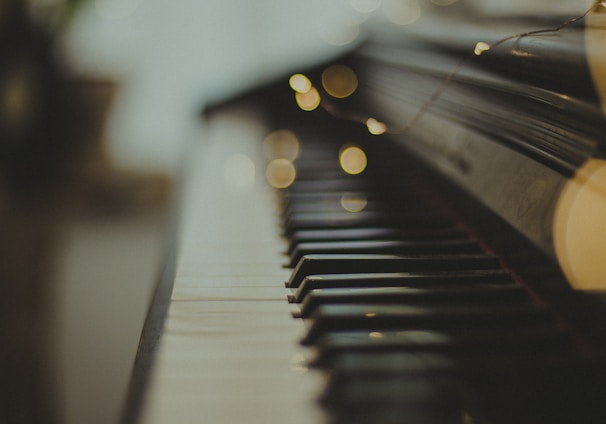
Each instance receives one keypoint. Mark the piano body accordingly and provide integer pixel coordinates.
(422, 192)
(411, 233)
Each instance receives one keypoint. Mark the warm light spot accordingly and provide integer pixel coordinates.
(466, 418)
(365, 6)
(308, 101)
(353, 160)
(116, 9)
(375, 335)
(402, 12)
(595, 32)
(579, 227)
(16, 98)
(354, 202)
(300, 83)
(281, 144)
(339, 81)
(280, 173)
(480, 48)
(375, 127)
(370, 315)
(239, 173)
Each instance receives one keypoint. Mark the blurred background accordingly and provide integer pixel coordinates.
(180, 55)
(79, 261)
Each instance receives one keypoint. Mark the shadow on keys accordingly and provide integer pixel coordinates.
(80, 244)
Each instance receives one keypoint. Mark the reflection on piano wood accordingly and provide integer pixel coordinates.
(424, 270)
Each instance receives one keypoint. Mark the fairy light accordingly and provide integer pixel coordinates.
(339, 81)
(310, 100)
(375, 127)
(352, 160)
(480, 48)
(300, 83)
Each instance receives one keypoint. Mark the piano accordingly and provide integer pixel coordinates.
(410, 233)
(424, 212)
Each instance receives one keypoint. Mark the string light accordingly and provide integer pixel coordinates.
(300, 83)
(376, 127)
(481, 47)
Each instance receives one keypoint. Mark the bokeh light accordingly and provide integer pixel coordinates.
(280, 173)
(402, 12)
(354, 202)
(353, 159)
(308, 101)
(375, 127)
(281, 144)
(300, 83)
(339, 81)
(480, 48)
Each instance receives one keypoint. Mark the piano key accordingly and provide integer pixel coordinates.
(289, 199)
(340, 184)
(336, 318)
(343, 219)
(323, 206)
(464, 245)
(326, 172)
(375, 233)
(416, 391)
(368, 263)
(465, 343)
(397, 414)
(445, 279)
(506, 295)
(400, 362)
(519, 383)
(229, 351)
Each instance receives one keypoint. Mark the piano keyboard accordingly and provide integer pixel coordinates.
(394, 313)
(428, 326)
(229, 350)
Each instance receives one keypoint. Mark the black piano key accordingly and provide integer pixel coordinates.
(398, 414)
(344, 219)
(364, 219)
(340, 184)
(506, 295)
(289, 200)
(376, 318)
(368, 263)
(518, 385)
(424, 389)
(375, 233)
(394, 247)
(444, 279)
(323, 206)
(417, 391)
(324, 172)
(472, 344)
(400, 362)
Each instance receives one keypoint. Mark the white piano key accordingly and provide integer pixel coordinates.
(229, 352)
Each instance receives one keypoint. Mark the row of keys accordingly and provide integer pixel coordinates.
(413, 321)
